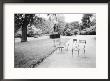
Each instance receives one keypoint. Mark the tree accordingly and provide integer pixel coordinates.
(88, 25)
(71, 28)
(18, 22)
(61, 27)
(43, 24)
(21, 21)
(58, 21)
(74, 25)
(86, 21)
(52, 19)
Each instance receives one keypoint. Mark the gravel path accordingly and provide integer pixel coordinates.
(65, 59)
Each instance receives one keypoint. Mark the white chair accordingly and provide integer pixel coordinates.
(82, 44)
(78, 46)
(75, 46)
(60, 46)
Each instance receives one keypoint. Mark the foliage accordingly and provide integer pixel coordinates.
(18, 21)
(37, 25)
(67, 32)
(71, 28)
(21, 22)
(61, 27)
(18, 33)
(88, 25)
(19, 18)
(43, 25)
(86, 20)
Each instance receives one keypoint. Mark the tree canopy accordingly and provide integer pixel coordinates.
(38, 25)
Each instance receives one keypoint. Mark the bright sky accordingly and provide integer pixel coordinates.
(68, 17)
(73, 17)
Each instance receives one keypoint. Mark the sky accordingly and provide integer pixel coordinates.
(73, 17)
(68, 17)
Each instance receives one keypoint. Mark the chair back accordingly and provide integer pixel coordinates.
(74, 40)
(82, 41)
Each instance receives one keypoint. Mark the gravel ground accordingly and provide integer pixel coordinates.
(65, 59)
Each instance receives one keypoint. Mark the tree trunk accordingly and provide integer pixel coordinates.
(24, 31)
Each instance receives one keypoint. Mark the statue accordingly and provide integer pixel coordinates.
(55, 28)
(55, 32)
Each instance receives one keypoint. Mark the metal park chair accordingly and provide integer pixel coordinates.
(60, 46)
(75, 46)
(74, 40)
(78, 45)
(82, 44)
(82, 41)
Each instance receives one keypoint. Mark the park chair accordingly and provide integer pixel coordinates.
(75, 46)
(78, 45)
(74, 40)
(67, 46)
(82, 44)
(60, 46)
(82, 41)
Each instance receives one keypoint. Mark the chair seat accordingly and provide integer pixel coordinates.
(76, 49)
(61, 47)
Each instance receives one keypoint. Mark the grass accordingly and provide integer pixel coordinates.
(30, 54)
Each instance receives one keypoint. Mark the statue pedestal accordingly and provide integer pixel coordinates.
(55, 35)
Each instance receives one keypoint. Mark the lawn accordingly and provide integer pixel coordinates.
(31, 53)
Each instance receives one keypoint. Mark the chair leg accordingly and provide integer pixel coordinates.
(78, 52)
(84, 51)
(72, 52)
(67, 48)
(61, 49)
